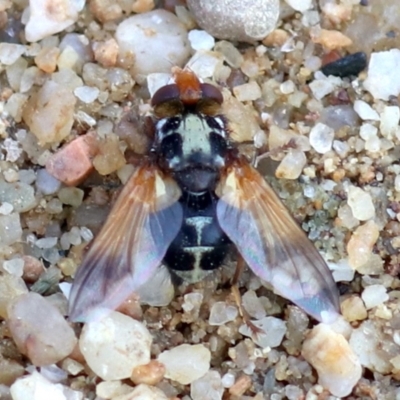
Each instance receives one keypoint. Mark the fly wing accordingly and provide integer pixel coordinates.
(131, 245)
(272, 243)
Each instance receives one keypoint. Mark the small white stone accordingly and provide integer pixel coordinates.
(287, 87)
(247, 92)
(10, 52)
(272, 331)
(292, 165)
(46, 19)
(253, 305)
(397, 183)
(365, 111)
(87, 94)
(155, 40)
(383, 79)
(300, 5)
(114, 345)
(86, 233)
(374, 295)
(341, 271)
(156, 81)
(207, 387)
(322, 85)
(46, 183)
(36, 387)
(338, 368)
(14, 266)
(46, 243)
(112, 389)
(205, 63)
(186, 363)
(6, 208)
(201, 40)
(321, 138)
(13, 149)
(360, 203)
(390, 118)
(221, 313)
(143, 392)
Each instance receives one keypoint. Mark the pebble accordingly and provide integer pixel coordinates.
(186, 363)
(49, 113)
(253, 305)
(221, 313)
(14, 266)
(292, 165)
(115, 345)
(106, 53)
(143, 392)
(86, 94)
(383, 80)
(111, 389)
(36, 387)
(149, 374)
(272, 332)
(155, 40)
(322, 85)
(10, 229)
(365, 111)
(20, 195)
(29, 319)
(330, 39)
(330, 354)
(46, 183)
(10, 53)
(361, 243)
(353, 309)
(109, 157)
(389, 125)
(200, 40)
(321, 138)
(205, 63)
(374, 295)
(360, 203)
(350, 65)
(247, 92)
(11, 287)
(300, 5)
(47, 58)
(373, 347)
(49, 17)
(236, 20)
(207, 387)
(71, 196)
(73, 163)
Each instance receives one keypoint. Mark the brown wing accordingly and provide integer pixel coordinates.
(272, 243)
(130, 246)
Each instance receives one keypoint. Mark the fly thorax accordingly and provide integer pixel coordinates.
(193, 147)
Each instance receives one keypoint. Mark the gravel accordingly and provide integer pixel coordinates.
(76, 83)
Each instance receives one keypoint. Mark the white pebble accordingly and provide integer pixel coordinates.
(46, 243)
(143, 392)
(14, 266)
(167, 44)
(10, 229)
(86, 233)
(36, 387)
(207, 387)
(374, 295)
(253, 305)
(228, 380)
(300, 5)
(115, 345)
(360, 203)
(321, 138)
(383, 79)
(201, 40)
(186, 363)
(365, 111)
(46, 19)
(322, 85)
(6, 208)
(287, 87)
(221, 313)
(292, 165)
(10, 52)
(390, 118)
(29, 318)
(338, 368)
(272, 332)
(247, 92)
(86, 94)
(204, 63)
(157, 80)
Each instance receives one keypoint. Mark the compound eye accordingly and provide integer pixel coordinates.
(165, 94)
(210, 92)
